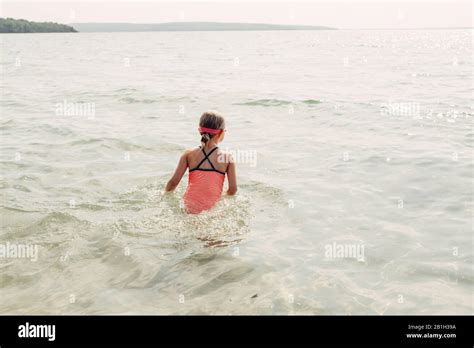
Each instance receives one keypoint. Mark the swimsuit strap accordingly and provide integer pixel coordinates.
(206, 157)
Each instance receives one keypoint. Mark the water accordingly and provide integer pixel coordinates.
(363, 138)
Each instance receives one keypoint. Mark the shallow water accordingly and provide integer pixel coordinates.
(362, 138)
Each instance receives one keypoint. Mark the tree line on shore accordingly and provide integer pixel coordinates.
(10, 25)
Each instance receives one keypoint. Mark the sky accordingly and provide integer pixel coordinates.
(343, 14)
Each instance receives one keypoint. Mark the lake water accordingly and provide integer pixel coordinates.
(355, 167)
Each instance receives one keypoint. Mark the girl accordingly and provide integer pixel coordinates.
(208, 166)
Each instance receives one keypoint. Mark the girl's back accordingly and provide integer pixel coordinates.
(207, 172)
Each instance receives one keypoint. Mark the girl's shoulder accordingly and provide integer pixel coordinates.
(187, 152)
(191, 150)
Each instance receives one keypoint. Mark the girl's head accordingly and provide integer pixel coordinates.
(211, 126)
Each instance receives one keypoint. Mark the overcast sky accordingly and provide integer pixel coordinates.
(334, 13)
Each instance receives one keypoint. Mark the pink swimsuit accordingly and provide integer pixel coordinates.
(204, 186)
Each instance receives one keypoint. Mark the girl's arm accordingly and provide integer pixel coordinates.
(231, 178)
(179, 172)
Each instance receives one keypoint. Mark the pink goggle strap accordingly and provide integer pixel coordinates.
(209, 130)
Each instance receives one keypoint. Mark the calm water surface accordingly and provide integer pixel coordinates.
(343, 138)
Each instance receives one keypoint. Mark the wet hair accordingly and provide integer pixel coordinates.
(210, 119)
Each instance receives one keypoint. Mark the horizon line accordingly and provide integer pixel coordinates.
(256, 23)
(301, 24)
(279, 24)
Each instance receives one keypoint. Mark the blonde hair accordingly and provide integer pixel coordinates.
(210, 119)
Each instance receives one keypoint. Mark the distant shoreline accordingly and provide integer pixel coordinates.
(189, 26)
(22, 26)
